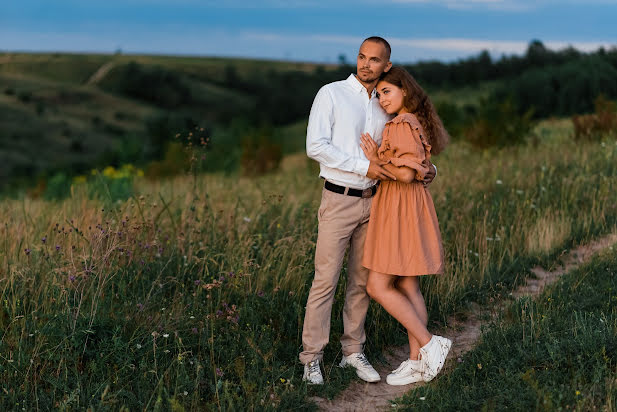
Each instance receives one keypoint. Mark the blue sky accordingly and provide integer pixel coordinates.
(305, 30)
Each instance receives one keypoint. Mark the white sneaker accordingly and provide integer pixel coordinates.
(433, 356)
(410, 371)
(312, 373)
(364, 370)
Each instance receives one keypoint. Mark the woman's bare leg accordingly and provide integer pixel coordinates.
(410, 286)
(381, 287)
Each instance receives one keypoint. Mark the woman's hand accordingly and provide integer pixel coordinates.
(369, 147)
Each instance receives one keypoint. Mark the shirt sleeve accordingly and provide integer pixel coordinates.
(319, 145)
(407, 145)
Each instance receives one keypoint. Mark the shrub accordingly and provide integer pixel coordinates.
(260, 154)
(498, 124)
(598, 124)
(57, 187)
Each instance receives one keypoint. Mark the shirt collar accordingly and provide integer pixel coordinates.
(353, 81)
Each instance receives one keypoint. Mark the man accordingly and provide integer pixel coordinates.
(341, 112)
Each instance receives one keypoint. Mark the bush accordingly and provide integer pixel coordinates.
(596, 125)
(498, 124)
(260, 154)
(113, 184)
(58, 187)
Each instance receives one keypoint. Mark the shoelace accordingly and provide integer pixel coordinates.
(313, 368)
(401, 366)
(363, 360)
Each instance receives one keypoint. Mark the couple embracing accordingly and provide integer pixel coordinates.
(373, 135)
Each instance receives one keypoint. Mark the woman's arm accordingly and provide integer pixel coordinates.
(369, 147)
(403, 173)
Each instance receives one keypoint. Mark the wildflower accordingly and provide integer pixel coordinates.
(219, 372)
(44, 239)
(72, 278)
(260, 293)
(166, 335)
(479, 366)
(578, 393)
(499, 182)
(197, 282)
(140, 307)
(138, 346)
(247, 219)
(194, 330)
(57, 248)
(27, 251)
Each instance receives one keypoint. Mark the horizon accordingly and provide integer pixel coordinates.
(349, 61)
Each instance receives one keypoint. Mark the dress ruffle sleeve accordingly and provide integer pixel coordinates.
(404, 144)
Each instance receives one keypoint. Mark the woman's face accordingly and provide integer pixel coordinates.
(391, 98)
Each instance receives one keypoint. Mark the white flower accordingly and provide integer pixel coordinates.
(499, 182)
(247, 219)
(165, 335)
(138, 346)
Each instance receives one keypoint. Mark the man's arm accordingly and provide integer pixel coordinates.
(319, 145)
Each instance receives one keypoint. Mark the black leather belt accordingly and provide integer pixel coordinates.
(370, 192)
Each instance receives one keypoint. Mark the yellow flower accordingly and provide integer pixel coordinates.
(109, 171)
(79, 179)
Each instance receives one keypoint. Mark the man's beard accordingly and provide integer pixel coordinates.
(367, 77)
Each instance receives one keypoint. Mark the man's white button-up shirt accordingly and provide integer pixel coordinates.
(341, 112)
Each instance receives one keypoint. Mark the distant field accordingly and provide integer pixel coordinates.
(72, 112)
(77, 68)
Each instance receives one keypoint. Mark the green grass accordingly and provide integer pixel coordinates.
(132, 303)
(556, 352)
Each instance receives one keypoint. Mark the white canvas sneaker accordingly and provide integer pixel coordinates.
(409, 371)
(363, 368)
(312, 373)
(433, 356)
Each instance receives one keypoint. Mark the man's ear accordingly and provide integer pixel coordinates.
(388, 67)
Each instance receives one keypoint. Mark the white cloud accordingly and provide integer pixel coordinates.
(460, 46)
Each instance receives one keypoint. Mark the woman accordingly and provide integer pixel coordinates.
(403, 239)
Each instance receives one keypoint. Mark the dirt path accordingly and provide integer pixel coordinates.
(101, 73)
(361, 396)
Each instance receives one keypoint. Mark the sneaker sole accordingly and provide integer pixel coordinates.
(402, 382)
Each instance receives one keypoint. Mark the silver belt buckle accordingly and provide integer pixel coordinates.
(367, 192)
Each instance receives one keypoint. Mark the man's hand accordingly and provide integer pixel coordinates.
(430, 175)
(376, 171)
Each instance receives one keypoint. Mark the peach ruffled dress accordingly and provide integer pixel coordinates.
(403, 236)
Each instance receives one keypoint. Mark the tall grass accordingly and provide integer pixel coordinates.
(191, 293)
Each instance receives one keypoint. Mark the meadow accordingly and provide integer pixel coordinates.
(188, 293)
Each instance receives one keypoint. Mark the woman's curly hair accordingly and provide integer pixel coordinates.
(418, 103)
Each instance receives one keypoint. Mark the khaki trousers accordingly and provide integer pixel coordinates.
(343, 221)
